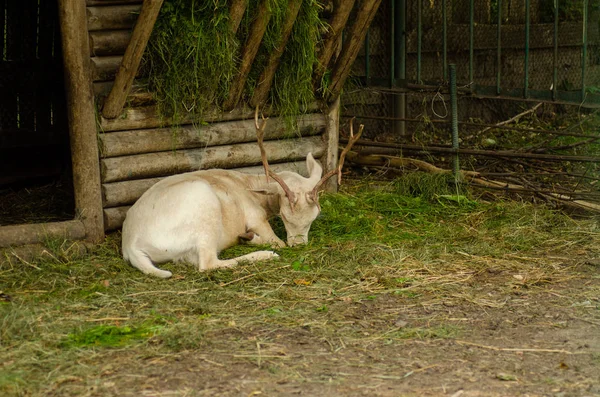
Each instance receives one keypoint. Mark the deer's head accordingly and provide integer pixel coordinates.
(299, 196)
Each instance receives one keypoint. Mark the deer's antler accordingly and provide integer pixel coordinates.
(338, 170)
(260, 134)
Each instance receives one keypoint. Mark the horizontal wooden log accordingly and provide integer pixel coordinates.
(105, 68)
(11, 236)
(148, 117)
(127, 192)
(110, 42)
(226, 156)
(114, 217)
(194, 136)
(112, 17)
(139, 95)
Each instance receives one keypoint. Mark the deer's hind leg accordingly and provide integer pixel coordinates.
(208, 259)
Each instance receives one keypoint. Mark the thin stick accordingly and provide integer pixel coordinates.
(107, 319)
(251, 275)
(516, 118)
(514, 349)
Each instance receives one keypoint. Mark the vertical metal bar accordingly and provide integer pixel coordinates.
(400, 100)
(526, 60)
(555, 59)
(584, 48)
(454, 115)
(368, 58)
(445, 40)
(419, 38)
(471, 39)
(392, 42)
(499, 49)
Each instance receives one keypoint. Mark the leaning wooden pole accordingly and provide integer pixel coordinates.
(341, 12)
(132, 58)
(257, 31)
(82, 120)
(236, 13)
(364, 16)
(266, 78)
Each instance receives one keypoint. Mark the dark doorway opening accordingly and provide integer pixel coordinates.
(35, 167)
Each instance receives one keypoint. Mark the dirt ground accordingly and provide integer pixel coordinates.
(542, 340)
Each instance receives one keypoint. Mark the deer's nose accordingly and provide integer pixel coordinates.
(297, 240)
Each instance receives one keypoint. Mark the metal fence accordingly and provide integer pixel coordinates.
(525, 49)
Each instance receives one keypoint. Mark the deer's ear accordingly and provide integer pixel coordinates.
(270, 189)
(314, 168)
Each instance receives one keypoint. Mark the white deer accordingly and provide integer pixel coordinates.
(191, 217)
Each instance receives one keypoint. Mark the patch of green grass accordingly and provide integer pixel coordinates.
(109, 336)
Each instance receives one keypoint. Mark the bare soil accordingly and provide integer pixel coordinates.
(495, 337)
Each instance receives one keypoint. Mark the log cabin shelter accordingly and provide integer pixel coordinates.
(74, 118)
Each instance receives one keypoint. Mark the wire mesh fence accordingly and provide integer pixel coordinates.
(528, 77)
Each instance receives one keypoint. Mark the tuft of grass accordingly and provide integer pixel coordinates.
(109, 336)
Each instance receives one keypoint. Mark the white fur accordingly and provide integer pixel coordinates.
(192, 217)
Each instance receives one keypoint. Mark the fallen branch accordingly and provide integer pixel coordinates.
(516, 118)
(471, 178)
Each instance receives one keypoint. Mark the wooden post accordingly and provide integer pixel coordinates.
(341, 12)
(131, 60)
(266, 77)
(332, 136)
(236, 13)
(366, 12)
(257, 30)
(82, 121)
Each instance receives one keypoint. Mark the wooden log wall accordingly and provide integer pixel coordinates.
(139, 148)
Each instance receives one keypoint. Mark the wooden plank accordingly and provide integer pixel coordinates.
(82, 120)
(131, 60)
(110, 42)
(112, 17)
(352, 45)
(127, 192)
(257, 30)
(16, 235)
(227, 156)
(194, 136)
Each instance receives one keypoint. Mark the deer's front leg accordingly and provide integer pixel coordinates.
(262, 233)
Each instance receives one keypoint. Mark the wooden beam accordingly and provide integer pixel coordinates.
(257, 31)
(150, 165)
(82, 117)
(341, 12)
(153, 140)
(17, 235)
(132, 58)
(364, 16)
(236, 13)
(266, 78)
